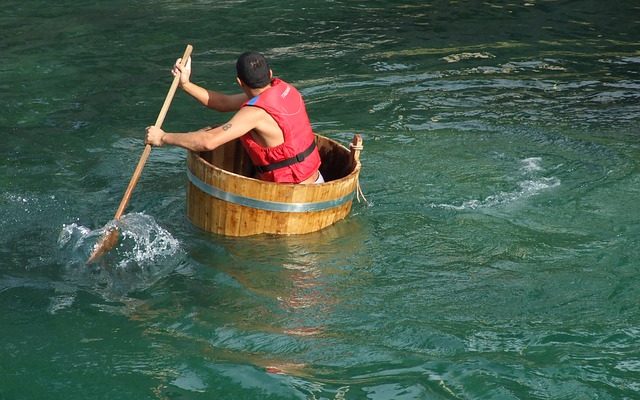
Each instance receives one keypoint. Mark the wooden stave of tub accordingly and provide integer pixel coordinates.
(223, 199)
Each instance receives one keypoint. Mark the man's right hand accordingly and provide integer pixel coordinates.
(154, 136)
(183, 72)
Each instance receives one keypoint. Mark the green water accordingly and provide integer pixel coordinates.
(497, 257)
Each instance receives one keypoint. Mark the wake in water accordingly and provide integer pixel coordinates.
(145, 253)
(527, 188)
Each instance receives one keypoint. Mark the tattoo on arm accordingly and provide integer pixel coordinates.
(226, 127)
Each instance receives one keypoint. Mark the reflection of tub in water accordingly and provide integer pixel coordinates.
(221, 198)
(284, 269)
(269, 301)
(301, 276)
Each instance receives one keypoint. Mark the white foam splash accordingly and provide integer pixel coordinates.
(73, 233)
(142, 241)
(527, 188)
(532, 164)
(149, 241)
(145, 253)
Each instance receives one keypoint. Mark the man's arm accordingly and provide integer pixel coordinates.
(208, 139)
(209, 98)
(215, 100)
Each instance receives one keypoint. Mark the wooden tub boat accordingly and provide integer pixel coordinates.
(223, 198)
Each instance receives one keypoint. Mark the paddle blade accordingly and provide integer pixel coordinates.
(106, 243)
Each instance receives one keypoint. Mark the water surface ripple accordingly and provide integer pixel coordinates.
(497, 257)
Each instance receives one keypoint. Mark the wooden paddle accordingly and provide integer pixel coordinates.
(110, 238)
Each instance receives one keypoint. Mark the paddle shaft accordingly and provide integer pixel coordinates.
(147, 149)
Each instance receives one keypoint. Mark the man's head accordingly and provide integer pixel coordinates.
(253, 70)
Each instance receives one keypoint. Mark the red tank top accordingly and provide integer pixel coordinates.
(285, 105)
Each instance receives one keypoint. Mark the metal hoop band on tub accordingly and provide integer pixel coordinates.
(267, 205)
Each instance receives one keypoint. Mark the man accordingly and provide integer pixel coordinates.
(271, 122)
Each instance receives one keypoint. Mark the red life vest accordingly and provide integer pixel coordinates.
(285, 105)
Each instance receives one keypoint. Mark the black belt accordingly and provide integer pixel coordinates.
(289, 161)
